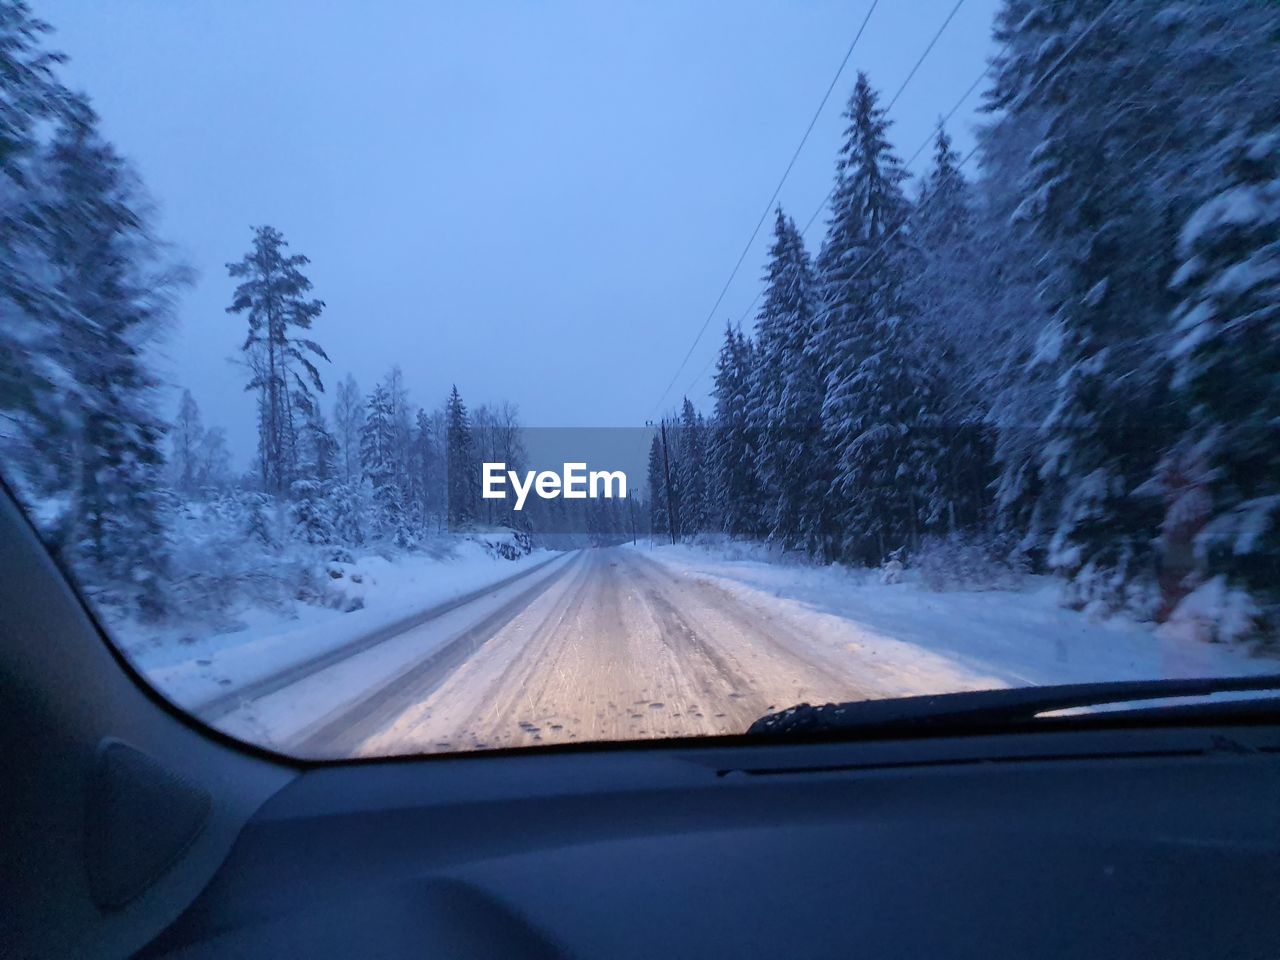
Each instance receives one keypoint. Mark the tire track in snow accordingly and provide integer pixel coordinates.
(225, 703)
(341, 732)
(628, 650)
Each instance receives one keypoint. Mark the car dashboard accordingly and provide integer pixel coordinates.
(1157, 842)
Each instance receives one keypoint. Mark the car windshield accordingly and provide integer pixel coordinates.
(411, 378)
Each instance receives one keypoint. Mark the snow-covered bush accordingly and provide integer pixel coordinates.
(349, 513)
(1215, 612)
(891, 569)
(339, 555)
(967, 562)
(311, 513)
(726, 547)
(216, 572)
(257, 522)
(506, 544)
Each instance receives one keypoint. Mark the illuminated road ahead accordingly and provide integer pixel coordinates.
(604, 644)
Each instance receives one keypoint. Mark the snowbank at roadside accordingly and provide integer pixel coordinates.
(191, 664)
(955, 640)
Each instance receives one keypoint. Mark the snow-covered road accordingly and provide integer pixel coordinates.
(619, 648)
(603, 644)
(609, 644)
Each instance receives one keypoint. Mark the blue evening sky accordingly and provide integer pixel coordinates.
(538, 201)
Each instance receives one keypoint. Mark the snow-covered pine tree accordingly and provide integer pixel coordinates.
(1015, 390)
(34, 438)
(421, 469)
(272, 296)
(311, 512)
(954, 338)
(1218, 107)
(319, 450)
(29, 91)
(1101, 228)
(348, 420)
(732, 495)
(1227, 368)
(879, 418)
(784, 399)
(378, 458)
(258, 525)
(691, 470)
(349, 512)
(104, 266)
(659, 525)
(462, 468)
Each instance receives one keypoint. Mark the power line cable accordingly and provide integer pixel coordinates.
(968, 156)
(901, 88)
(898, 95)
(769, 206)
(1044, 78)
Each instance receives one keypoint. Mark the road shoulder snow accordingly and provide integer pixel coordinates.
(960, 640)
(193, 671)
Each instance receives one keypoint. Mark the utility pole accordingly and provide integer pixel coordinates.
(666, 469)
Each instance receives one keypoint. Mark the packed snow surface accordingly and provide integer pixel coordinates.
(963, 639)
(637, 642)
(192, 665)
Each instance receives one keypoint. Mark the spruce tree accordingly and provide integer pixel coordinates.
(1108, 120)
(378, 456)
(691, 469)
(421, 469)
(784, 399)
(463, 471)
(34, 436)
(731, 450)
(103, 264)
(319, 454)
(879, 418)
(954, 339)
(1227, 367)
(1103, 249)
(659, 523)
(347, 504)
(311, 512)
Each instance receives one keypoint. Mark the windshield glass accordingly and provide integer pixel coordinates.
(417, 378)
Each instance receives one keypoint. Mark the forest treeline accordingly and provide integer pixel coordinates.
(1070, 351)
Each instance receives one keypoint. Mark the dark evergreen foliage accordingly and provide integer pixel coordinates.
(272, 296)
(462, 468)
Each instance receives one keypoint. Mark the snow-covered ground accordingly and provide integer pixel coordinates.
(930, 641)
(191, 664)
(627, 643)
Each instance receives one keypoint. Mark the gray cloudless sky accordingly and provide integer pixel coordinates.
(537, 201)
